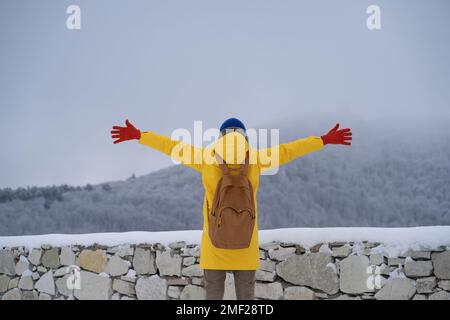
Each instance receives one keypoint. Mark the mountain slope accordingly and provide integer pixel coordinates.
(392, 178)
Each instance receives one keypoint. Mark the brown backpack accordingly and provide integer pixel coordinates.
(232, 217)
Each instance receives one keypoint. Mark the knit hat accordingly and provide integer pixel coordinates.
(232, 122)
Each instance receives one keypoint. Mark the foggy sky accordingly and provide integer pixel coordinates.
(164, 64)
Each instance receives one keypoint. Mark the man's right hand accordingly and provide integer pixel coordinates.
(125, 133)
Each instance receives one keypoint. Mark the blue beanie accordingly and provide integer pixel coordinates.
(232, 122)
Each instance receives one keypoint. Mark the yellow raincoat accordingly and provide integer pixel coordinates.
(191, 156)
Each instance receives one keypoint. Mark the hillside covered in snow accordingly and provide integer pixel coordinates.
(396, 177)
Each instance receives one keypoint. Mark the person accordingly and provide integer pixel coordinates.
(214, 261)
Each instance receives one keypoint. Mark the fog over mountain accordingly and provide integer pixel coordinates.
(394, 174)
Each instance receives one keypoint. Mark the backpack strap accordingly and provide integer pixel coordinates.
(225, 170)
(244, 167)
(222, 164)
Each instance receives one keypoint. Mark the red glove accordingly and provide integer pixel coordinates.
(125, 133)
(335, 136)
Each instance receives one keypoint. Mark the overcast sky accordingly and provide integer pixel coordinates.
(164, 64)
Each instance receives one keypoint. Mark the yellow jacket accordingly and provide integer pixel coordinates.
(210, 256)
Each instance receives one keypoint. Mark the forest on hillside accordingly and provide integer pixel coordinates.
(382, 182)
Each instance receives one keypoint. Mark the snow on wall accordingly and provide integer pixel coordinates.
(296, 263)
(397, 240)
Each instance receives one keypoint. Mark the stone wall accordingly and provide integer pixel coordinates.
(288, 271)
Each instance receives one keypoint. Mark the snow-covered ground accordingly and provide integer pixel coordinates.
(394, 240)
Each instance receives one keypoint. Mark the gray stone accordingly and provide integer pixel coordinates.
(376, 259)
(426, 285)
(168, 264)
(377, 281)
(193, 271)
(13, 294)
(151, 288)
(192, 292)
(271, 291)
(124, 287)
(35, 275)
(30, 295)
(50, 258)
(441, 263)
(417, 254)
(298, 293)
(155, 246)
(61, 272)
(67, 256)
(397, 289)
(281, 254)
(125, 251)
(440, 295)
(93, 287)
(177, 281)
(61, 285)
(354, 275)
(386, 270)
(115, 296)
(26, 283)
(443, 284)
(22, 265)
(117, 266)
(287, 244)
(299, 249)
(191, 252)
(46, 284)
(128, 279)
(310, 270)
(188, 261)
(4, 283)
(44, 296)
(19, 251)
(335, 244)
(112, 250)
(321, 295)
(267, 265)
(197, 281)
(35, 256)
(269, 245)
(267, 276)
(177, 245)
(396, 261)
(341, 252)
(41, 269)
(418, 268)
(371, 245)
(144, 261)
(13, 283)
(174, 292)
